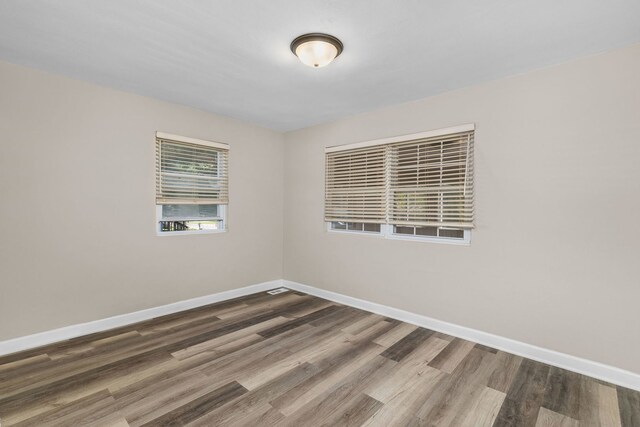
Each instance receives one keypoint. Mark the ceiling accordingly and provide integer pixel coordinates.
(233, 57)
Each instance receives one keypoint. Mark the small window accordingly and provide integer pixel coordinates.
(427, 232)
(355, 226)
(191, 185)
(190, 218)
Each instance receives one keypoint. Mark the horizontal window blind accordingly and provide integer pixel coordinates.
(431, 182)
(424, 181)
(191, 173)
(355, 187)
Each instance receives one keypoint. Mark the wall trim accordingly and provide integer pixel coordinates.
(72, 331)
(561, 360)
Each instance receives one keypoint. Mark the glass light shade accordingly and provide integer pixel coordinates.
(316, 53)
(316, 49)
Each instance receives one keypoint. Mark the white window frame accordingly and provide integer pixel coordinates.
(386, 232)
(222, 215)
(222, 208)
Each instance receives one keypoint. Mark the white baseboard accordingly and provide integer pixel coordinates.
(572, 363)
(48, 337)
(561, 360)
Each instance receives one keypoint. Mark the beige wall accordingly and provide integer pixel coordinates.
(554, 260)
(77, 212)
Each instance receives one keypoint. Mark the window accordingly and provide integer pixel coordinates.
(191, 185)
(417, 187)
(355, 226)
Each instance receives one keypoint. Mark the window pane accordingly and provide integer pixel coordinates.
(404, 230)
(427, 231)
(447, 232)
(372, 227)
(191, 225)
(431, 181)
(189, 211)
(356, 226)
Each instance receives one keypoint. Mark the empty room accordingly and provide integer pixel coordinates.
(320, 213)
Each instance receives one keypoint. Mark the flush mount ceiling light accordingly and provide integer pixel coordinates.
(316, 49)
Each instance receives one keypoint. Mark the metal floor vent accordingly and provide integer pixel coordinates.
(277, 291)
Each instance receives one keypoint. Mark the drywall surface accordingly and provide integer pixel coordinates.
(553, 260)
(77, 216)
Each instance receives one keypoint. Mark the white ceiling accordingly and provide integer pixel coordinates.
(233, 57)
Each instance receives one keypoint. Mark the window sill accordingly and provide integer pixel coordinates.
(357, 233)
(440, 240)
(188, 233)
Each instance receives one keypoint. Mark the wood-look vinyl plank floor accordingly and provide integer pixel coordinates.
(294, 360)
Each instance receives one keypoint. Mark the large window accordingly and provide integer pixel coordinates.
(191, 185)
(416, 187)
